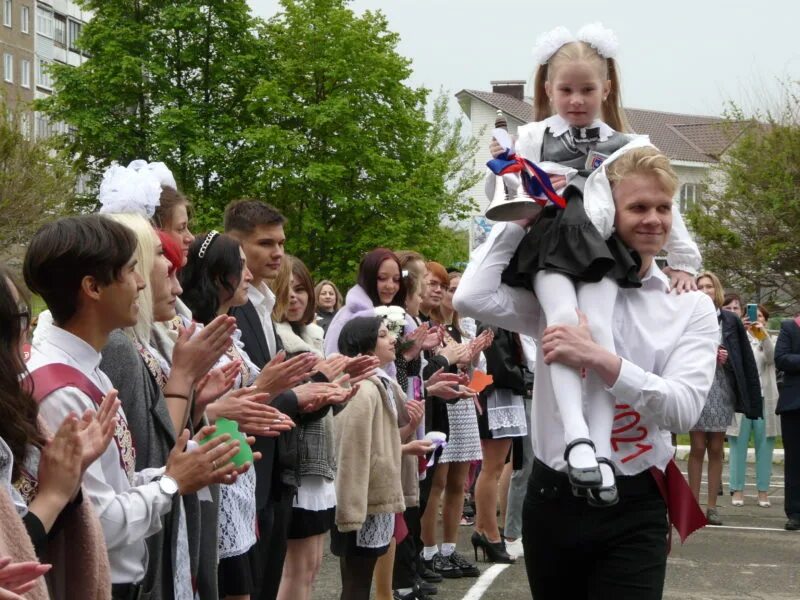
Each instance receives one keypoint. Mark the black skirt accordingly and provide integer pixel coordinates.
(565, 241)
(235, 574)
(308, 523)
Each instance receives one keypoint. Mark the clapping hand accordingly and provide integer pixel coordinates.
(281, 374)
(416, 412)
(215, 383)
(250, 410)
(443, 376)
(333, 366)
(361, 367)
(480, 343)
(195, 355)
(19, 578)
(96, 430)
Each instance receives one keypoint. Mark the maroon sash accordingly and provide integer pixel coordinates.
(55, 376)
(682, 509)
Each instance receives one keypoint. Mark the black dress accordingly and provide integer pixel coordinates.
(565, 240)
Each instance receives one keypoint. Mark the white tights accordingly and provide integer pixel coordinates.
(558, 298)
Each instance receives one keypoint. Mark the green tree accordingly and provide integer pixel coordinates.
(748, 225)
(163, 81)
(36, 184)
(340, 143)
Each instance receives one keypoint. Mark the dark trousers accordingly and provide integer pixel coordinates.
(790, 430)
(407, 554)
(273, 529)
(576, 551)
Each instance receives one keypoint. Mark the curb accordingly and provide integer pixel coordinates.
(682, 453)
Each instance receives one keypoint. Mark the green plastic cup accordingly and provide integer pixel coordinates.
(224, 426)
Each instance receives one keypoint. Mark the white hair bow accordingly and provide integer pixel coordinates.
(596, 35)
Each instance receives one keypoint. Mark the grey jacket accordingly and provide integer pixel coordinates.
(153, 437)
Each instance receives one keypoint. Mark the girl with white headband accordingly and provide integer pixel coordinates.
(570, 257)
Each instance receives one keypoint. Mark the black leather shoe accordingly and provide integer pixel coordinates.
(425, 587)
(429, 575)
(588, 477)
(441, 565)
(467, 568)
(793, 524)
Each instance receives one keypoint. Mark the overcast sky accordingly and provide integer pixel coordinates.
(689, 56)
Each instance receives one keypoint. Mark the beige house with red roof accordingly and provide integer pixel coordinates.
(694, 143)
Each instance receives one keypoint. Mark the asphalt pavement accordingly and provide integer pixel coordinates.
(750, 556)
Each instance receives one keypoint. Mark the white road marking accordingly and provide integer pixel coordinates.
(479, 588)
(712, 527)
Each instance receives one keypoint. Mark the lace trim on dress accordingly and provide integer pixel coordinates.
(376, 531)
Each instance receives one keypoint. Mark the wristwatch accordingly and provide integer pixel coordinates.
(168, 485)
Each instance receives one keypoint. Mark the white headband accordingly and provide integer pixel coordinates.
(596, 35)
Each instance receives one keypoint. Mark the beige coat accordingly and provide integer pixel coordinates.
(368, 458)
(764, 353)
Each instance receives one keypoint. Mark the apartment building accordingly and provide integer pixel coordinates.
(34, 35)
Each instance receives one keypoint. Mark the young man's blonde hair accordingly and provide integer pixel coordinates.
(644, 161)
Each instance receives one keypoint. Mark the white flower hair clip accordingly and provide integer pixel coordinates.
(600, 38)
(159, 170)
(125, 190)
(549, 43)
(394, 317)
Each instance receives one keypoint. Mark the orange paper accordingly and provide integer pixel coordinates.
(480, 381)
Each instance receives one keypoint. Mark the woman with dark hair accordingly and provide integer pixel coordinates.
(735, 389)
(43, 477)
(215, 279)
(369, 492)
(380, 283)
(328, 300)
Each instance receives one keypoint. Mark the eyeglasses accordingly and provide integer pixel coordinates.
(435, 285)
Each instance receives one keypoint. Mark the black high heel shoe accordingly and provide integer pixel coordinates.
(604, 496)
(494, 552)
(582, 478)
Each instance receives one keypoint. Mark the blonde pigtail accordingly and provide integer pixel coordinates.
(541, 103)
(613, 111)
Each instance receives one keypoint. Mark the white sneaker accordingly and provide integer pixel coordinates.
(514, 548)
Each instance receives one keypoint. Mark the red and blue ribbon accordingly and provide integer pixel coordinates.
(534, 180)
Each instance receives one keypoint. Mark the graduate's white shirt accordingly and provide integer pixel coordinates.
(128, 512)
(667, 343)
(264, 301)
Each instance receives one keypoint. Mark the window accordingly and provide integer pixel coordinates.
(60, 31)
(7, 13)
(43, 77)
(8, 68)
(74, 33)
(44, 22)
(25, 73)
(25, 19)
(690, 193)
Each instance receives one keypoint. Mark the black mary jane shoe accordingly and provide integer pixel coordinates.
(588, 477)
(604, 496)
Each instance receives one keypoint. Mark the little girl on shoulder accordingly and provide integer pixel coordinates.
(570, 257)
